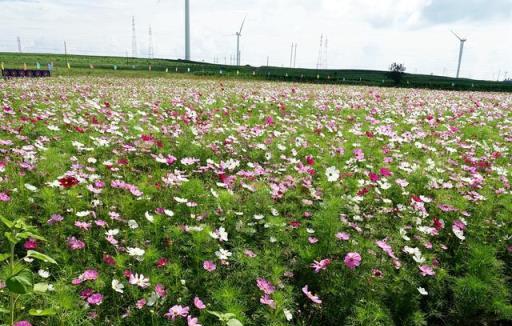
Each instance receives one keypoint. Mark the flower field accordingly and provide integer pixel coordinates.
(131, 201)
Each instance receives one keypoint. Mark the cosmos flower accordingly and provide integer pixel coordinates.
(177, 311)
(310, 295)
(352, 260)
(332, 173)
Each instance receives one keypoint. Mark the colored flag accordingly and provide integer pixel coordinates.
(2, 66)
(38, 66)
(69, 66)
(24, 66)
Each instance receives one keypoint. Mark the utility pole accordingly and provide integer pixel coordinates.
(19, 44)
(268, 58)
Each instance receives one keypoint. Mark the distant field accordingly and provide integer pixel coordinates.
(81, 65)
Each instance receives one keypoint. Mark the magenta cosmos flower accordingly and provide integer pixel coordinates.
(352, 260)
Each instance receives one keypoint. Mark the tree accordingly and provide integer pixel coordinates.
(396, 72)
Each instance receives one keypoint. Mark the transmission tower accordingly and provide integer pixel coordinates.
(150, 42)
(319, 61)
(19, 44)
(134, 39)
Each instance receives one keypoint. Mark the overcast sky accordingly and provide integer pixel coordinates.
(367, 34)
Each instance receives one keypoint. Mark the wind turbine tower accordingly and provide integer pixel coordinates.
(187, 30)
(150, 46)
(238, 34)
(19, 44)
(325, 53)
(134, 39)
(295, 56)
(461, 50)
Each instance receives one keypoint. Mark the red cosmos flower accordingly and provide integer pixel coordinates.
(68, 181)
(310, 160)
(369, 134)
(363, 191)
(162, 262)
(109, 260)
(294, 224)
(146, 138)
(438, 224)
(30, 244)
(374, 177)
(122, 161)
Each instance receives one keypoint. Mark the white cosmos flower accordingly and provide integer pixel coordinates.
(117, 286)
(223, 254)
(259, 217)
(288, 314)
(149, 217)
(139, 280)
(30, 187)
(83, 213)
(422, 291)
(133, 224)
(135, 251)
(43, 273)
(168, 212)
(220, 234)
(332, 173)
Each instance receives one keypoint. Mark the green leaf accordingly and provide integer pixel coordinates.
(234, 322)
(40, 256)
(4, 311)
(20, 283)
(7, 222)
(26, 235)
(4, 257)
(42, 312)
(41, 287)
(10, 237)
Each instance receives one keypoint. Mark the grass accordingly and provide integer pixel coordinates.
(139, 67)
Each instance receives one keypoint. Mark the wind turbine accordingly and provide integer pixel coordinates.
(462, 41)
(187, 30)
(238, 34)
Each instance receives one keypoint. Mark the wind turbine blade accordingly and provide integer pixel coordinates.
(242, 26)
(457, 36)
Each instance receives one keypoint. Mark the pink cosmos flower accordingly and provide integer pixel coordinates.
(265, 285)
(90, 274)
(75, 244)
(209, 266)
(312, 240)
(140, 303)
(4, 197)
(358, 153)
(266, 300)
(320, 265)
(177, 311)
(342, 236)
(311, 296)
(192, 321)
(426, 270)
(22, 323)
(199, 303)
(55, 218)
(352, 260)
(95, 299)
(160, 290)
